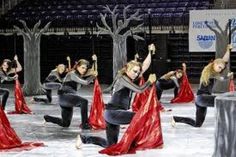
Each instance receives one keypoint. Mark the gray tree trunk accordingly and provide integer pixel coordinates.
(119, 39)
(32, 83)
(119, 55)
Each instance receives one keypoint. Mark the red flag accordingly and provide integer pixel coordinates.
(144, 131)
(96, 119)
(20, 104)
(140, 99)
(185, 93)
(231, 85)
(9, 139)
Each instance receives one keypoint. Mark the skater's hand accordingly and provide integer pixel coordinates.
(95, 73)
(229, 47)
(230, 75)
(68, 58)
(94, 57)
(15, 58)
(152, 48)
(152, 78)
(15, 77)
(136, 57)
(184, 66)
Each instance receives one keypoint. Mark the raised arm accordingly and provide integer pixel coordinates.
(95, 64)
(79, 80)
(69, 63)
(168, 75)
(184, 67)
(139, 89)
(93, 71)
(227, 53)
(148, 59)
(18, 66)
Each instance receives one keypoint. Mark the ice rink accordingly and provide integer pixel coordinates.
(179, 141)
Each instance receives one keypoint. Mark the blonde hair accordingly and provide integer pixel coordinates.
(8, 62)
(58, 67)
(167, 77)
(81, 62)
(129, 66)
(209, 71)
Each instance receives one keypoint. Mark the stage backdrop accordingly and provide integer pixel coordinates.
(201, 38)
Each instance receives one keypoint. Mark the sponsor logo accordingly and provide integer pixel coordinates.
(205, 41)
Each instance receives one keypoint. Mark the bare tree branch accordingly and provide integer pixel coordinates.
(103, 18)
(127, 21)
(45, 27)
(113, 14)
(138, 18)
(212, 29)
(134, 30)
(137, 37)
(218, 26)
(36, 26)
(109, 10)
(43, 30)
(133, 15)
(125, 11)
(226, 27)
(137, 28)
(114, 22)
(22, 32)
(101, 29)
(25, 27)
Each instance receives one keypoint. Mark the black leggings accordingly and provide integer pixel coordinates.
(5, 93)
(202, 102)
(160, 88)
(200, 117)
(48, 95)
(65, 121)
(67, 102)
(48, 87)
(114, 118)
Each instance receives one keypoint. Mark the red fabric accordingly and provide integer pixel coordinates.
(231, 85)
(26, 146)
(185, 93)
(141, 98)
(9, 141)
(144, 131)
(96, 119)
(20, 104)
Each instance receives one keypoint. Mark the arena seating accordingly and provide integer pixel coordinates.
(74, 13)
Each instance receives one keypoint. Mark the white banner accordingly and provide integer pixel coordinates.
(201, 38)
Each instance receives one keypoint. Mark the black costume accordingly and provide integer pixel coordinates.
(204, 99)
(116, 110)
(68, 99)
(165, 84)
(3, 91)
(52, 82)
